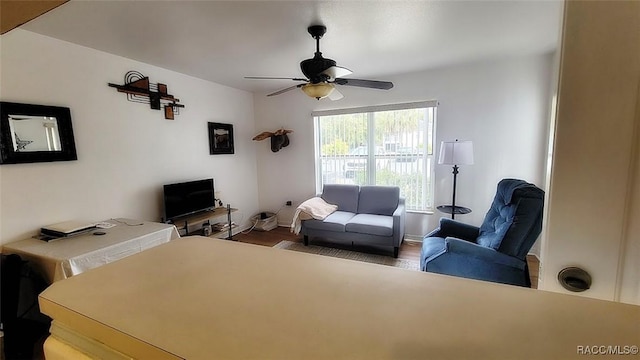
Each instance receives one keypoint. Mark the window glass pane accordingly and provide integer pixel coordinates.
(392, 147)
(343, 149)
(403, 134)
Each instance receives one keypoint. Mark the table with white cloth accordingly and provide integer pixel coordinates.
(64, 257)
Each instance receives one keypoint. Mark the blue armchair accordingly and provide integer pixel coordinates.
(497, 250)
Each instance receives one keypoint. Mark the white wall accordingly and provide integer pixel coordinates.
(126, 151)
(592, 217)
(501, 105)
(628, 287)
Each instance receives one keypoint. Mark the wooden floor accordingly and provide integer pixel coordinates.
(409, 250)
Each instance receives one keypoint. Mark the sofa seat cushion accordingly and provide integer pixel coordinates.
(371, 224)
(333, 222)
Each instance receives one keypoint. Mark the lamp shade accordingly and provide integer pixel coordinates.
(456, 153)
(319, 90)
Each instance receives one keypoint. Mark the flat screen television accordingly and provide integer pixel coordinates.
(188, 198)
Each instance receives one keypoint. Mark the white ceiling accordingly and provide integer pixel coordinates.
(223, 41)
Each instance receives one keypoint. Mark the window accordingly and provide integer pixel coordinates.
(382, 145)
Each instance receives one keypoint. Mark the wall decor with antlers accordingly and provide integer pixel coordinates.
(279, 138)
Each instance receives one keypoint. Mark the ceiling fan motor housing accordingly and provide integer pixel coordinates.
(317, 31)
(313, 68)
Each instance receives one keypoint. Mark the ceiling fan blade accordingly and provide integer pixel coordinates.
(285, 90)
(373, 84)
(273, 78)
(335, 95)
(336, 72)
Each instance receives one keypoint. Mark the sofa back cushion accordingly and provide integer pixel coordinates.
(378, 200)
(345, 196)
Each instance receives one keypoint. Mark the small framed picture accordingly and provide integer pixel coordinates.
(220, 138)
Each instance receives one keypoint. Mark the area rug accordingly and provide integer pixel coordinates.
(347, 254)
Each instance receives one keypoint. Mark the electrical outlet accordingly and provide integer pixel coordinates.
(288, 203)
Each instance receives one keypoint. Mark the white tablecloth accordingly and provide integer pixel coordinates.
(62, 258)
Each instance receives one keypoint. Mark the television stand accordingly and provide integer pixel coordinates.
(182, 223)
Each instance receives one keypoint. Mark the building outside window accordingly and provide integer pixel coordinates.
(379, 145)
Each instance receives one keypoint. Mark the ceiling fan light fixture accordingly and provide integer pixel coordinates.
(318, 91)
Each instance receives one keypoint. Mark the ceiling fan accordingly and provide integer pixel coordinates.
(323, 74)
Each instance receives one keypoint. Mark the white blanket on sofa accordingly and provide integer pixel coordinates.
(314, 208)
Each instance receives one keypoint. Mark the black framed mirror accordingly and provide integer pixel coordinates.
(35, 133)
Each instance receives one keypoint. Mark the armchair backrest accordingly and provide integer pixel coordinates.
(514, 220)
(345, 196)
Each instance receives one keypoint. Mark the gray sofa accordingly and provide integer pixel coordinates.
(372, 215)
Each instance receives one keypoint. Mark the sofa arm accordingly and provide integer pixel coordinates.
(456, 229)
(398, 222)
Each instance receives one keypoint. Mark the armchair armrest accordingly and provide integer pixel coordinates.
(456, 229)
(466, 259)
(480, 253)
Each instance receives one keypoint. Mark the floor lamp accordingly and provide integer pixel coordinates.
(455, 153)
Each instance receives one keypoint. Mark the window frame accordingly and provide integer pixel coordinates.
(429, 137)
